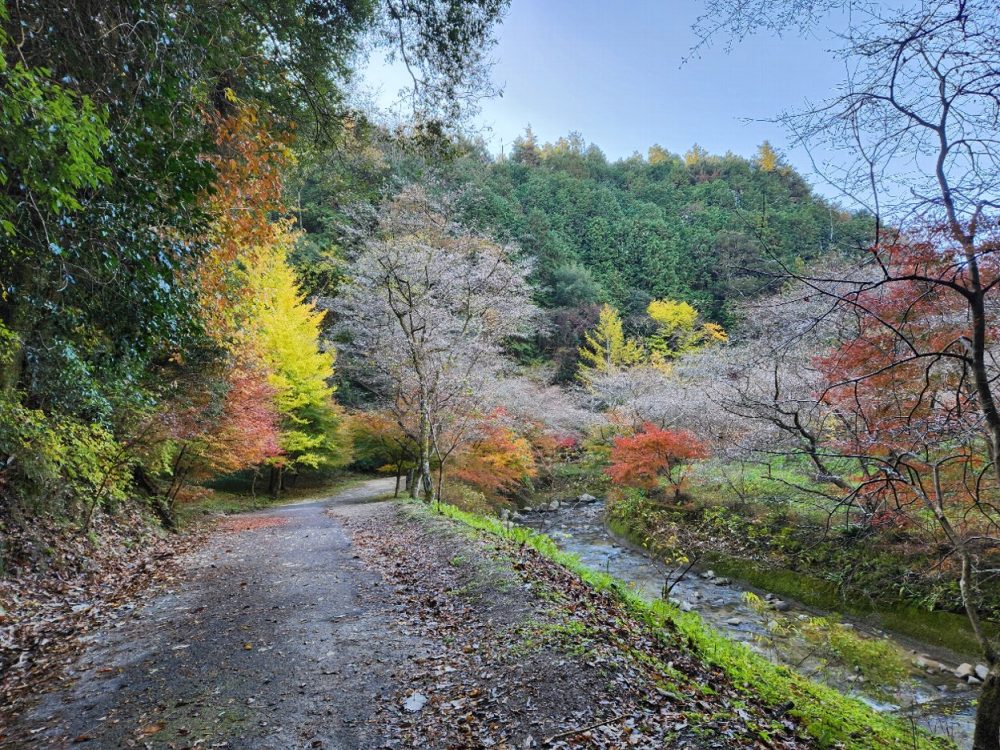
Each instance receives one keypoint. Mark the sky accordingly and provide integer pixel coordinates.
(615, 73)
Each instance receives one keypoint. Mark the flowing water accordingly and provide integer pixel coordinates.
(932, 698)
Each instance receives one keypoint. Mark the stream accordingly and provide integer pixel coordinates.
(932, 696)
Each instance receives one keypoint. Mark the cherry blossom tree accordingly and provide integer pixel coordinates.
(426, 312)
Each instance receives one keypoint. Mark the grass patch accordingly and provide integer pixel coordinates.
(831, 718)
(569, 636)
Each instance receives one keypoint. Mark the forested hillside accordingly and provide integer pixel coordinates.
(709, 231)
(700, 228)
(705, 229)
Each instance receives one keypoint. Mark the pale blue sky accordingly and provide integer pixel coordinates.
(613, 72)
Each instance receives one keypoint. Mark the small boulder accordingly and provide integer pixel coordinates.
(964, 670)
(554, 505)
(982, 672)
(415, 702)
(780, 606)
(973, 680)
(926, 663)
(734, 621)
(586, 498)
(721, 581)
(708, 575)
(686, 607)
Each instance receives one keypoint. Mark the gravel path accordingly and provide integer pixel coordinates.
(266, 645)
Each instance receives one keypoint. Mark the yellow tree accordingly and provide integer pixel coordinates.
(657, 155)
(767, 157)
(695, 155)
(313, 432)
(679, 329)
(606, 347)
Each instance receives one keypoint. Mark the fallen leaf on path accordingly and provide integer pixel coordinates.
(150, 729)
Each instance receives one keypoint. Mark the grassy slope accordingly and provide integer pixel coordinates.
(832, 718)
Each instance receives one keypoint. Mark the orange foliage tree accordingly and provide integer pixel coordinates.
(654, 457)
(497, 460)
(222, 416)
(226, 423)
(246, 194)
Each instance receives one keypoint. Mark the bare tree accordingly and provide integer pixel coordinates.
(913, 137)
(426, 311)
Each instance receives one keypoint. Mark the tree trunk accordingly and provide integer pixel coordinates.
(161, 506)
(987, 736)
(440, 487)
(275, 482)
(426, 481)
(399, 473)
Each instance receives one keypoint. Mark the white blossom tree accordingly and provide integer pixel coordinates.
(426, 311)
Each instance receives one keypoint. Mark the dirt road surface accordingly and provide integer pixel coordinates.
(266, 645)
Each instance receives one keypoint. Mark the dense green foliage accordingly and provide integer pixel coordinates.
(687, 228)
(117, 126)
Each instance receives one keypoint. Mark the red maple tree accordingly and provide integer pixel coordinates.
(654, 456)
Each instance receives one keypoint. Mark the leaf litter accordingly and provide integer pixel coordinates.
(531, 656)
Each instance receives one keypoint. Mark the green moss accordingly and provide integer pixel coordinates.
(831, 718)
(945, 629)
